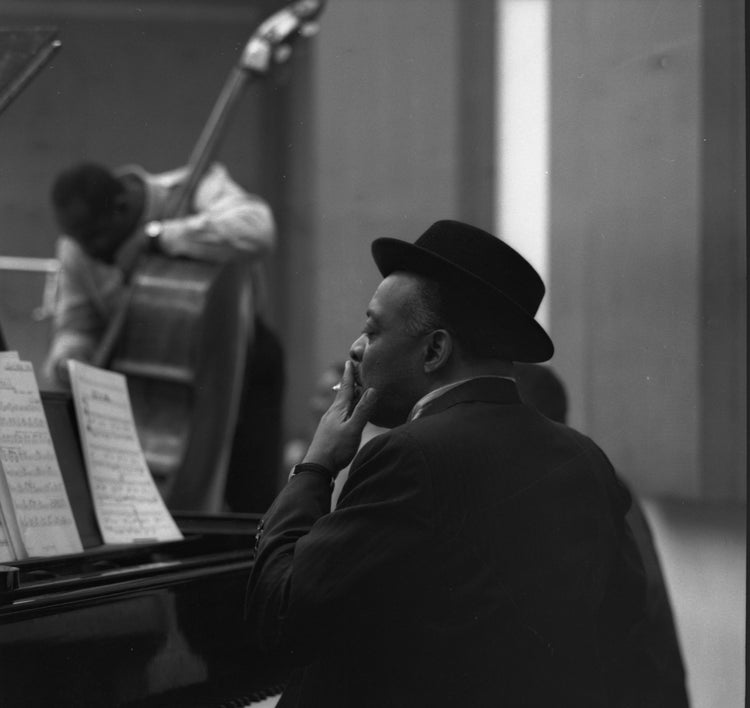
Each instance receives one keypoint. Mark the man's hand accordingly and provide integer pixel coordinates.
(61, 372)
(339, 432)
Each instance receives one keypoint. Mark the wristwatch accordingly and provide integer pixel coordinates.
(154, 230)
(312, 467)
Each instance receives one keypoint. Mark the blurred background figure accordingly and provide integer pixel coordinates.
(318, 403)
(108, 221)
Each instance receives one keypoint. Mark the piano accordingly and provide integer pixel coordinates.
(136, 626)
(154, 624)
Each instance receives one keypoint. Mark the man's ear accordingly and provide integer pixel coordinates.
(439, 350)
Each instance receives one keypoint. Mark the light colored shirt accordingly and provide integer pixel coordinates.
(370, 431)
(225, 219)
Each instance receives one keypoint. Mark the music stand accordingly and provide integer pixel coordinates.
(23, 53)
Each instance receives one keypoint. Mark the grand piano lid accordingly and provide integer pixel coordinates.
(24, 51)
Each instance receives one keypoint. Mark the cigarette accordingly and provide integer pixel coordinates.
(337, 387)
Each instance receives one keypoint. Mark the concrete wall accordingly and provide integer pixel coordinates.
(398, 139)
(632, 85)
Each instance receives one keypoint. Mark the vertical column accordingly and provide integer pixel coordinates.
(625, 210)
(476, 106)
(522, 115)
(723, 314)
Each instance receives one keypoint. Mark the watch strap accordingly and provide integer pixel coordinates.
(312, 467)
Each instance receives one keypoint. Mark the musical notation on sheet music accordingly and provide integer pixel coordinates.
(127, 503)
(38, 517)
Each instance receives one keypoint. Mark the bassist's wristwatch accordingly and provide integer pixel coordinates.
(154, 230)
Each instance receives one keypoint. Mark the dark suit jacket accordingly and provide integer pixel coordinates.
(477, 557)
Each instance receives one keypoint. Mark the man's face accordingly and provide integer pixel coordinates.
(100, 237)
(387, 356)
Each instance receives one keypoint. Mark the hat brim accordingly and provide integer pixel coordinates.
(531, 343)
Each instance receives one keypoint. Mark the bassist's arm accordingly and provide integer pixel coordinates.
(227, 219)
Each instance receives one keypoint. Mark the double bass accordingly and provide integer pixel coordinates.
(183, 328)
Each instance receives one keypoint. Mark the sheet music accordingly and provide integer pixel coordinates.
(38, 516)
(127, 503)
(6, 551)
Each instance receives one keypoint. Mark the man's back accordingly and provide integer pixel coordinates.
(478, 554)
(509, 529)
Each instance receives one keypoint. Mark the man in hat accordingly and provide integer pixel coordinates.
(478, 554)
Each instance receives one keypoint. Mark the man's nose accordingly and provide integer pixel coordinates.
(356, 349)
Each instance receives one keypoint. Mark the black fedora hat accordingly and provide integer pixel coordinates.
(481, 266)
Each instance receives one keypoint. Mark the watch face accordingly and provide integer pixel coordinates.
(154, 229)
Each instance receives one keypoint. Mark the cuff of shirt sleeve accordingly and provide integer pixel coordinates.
(171, 236)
